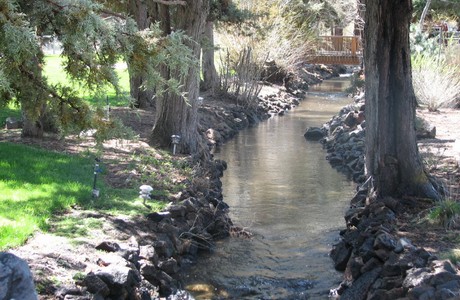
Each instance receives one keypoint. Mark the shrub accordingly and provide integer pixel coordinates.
(436, 81)
(446, 212)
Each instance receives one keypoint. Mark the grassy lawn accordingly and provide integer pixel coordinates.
(36, 185)
(53, 70)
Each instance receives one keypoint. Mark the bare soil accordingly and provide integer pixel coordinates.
(57, 260)
(442, 159)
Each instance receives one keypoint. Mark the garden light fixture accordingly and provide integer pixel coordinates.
(175, 139)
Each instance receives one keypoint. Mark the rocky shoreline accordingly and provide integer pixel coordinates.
(377, 260)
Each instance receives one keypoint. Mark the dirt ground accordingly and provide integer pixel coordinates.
(57, 260)
(442, 159)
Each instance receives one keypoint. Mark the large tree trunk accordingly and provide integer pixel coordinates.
(142, 97)
(177, 115)
(392, 157)
(33, 103)
(210, 76)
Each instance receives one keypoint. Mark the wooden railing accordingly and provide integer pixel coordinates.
(337, 50)
(345, 45)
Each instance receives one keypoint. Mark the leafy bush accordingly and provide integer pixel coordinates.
(422, 43)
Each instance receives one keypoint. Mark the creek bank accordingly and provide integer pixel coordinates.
(343, 138)
(142, 257)
(380, 264)
(377, 260)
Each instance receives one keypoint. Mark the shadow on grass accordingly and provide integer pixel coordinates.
(37, 185)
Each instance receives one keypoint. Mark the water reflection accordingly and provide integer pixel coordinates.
(281, 188)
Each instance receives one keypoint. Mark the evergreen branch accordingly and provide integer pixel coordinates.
(101, 10)
(46, 88)
(173, 2)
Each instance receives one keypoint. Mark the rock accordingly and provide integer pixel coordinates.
(164, 248)
(13, 123)
(120, 280)
(96, 285)
(385, 241)
(314, 134)
(177, 211)
(148, 252)
(424, 130)
(170, 266)
(16, 281)
(159, 216)
(360, 287)
(108, 247)
(350, 119)
(340, 254)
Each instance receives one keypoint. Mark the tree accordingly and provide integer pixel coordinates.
(177, 112)
(141, 95)
(424, 12)
(392, 158)
(94, 38)
(224, 12)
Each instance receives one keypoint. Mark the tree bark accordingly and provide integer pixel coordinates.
(177, 115)
(424, 13)
(141, 96)
(210, 76)
(392, 157)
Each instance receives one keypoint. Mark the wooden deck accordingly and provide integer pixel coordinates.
(337, 50)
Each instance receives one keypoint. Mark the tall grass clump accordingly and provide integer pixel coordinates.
(436, 74)
(446, 212)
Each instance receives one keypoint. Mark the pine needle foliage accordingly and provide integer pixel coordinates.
(93, 40)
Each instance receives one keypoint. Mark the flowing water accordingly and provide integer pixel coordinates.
(281, 188)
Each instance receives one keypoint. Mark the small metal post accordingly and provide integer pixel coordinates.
(96, 170)
(175, 139)
(107, 108)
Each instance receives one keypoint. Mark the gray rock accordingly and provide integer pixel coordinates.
(148, 252)
(16, 281)
(120, 280)
(164, 248)
(340, 254)
(96, 285)
(417, 277)
(422, 293)
(314, 134)
(385, 241)
(170, 266)
(13, 123)
(361, 286)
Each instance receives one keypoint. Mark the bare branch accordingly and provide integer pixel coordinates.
(172, 2)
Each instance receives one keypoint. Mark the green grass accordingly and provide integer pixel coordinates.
(37, 185)
(55, 74)
(54, 71)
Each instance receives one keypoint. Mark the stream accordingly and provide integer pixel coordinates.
(281, 188)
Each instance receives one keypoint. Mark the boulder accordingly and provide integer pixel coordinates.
(340, 254)
(314, 134)
(424, 130)
(16, 281)
(13, 123)
(119, 279)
